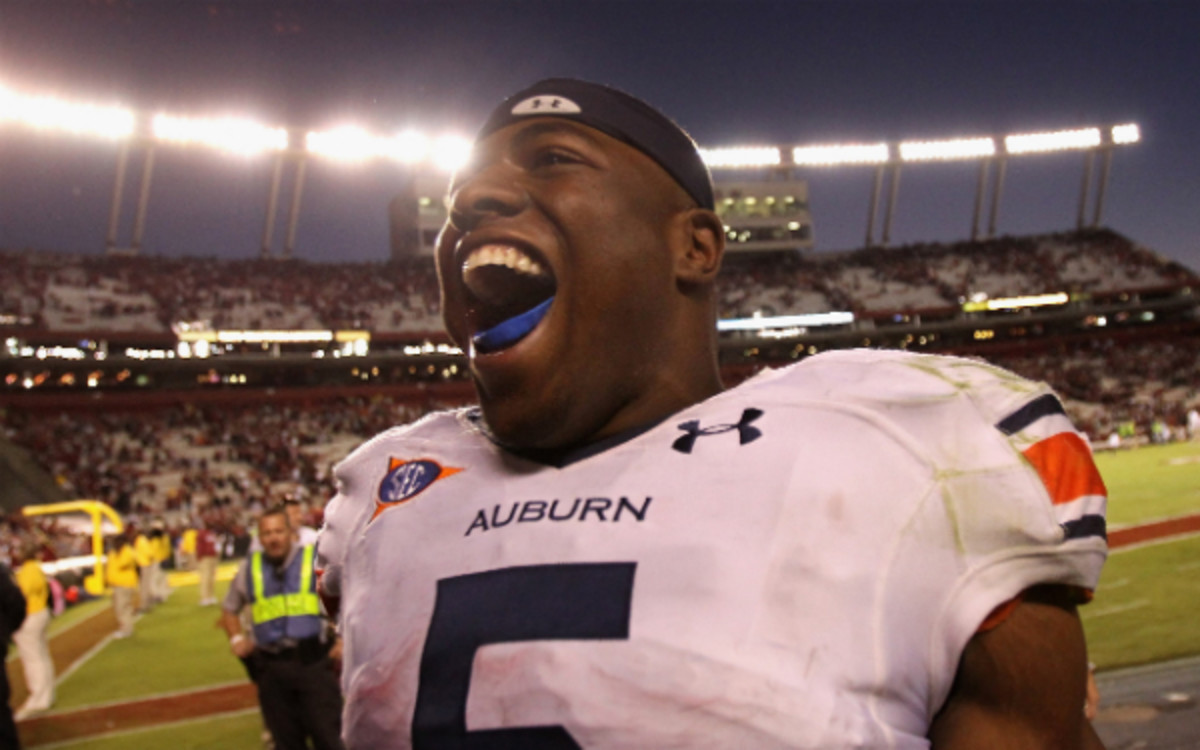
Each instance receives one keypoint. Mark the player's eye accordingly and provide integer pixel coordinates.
(553, 157)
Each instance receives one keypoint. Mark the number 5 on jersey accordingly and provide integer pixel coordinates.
(532, 603)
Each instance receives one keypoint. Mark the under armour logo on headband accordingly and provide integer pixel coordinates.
(536, 105)
(618, 115)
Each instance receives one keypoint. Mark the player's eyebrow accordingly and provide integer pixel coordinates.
(523, 139)
(535, 130)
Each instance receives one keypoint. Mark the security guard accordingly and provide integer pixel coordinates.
(289, 657)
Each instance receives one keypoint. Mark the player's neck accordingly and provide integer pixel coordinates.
(634, 419)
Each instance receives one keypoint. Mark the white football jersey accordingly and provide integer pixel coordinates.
(797, 562)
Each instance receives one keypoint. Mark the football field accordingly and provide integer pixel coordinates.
(149, 691)
(1148, 601)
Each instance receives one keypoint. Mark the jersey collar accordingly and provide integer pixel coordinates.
(561, 458)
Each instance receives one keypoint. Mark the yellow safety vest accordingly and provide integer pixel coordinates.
(296, 604)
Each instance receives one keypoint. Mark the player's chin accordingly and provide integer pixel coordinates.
(523, 419)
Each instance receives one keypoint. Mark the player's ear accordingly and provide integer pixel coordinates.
(702, 245)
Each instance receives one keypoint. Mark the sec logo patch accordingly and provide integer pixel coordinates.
(406, 479)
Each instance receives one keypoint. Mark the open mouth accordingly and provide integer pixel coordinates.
(509, 293)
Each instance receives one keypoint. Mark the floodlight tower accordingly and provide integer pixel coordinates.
(413, 151)
(1091, 141)
(264, 251)
(300, 158)
(997, 189)
(421, 159)
(876, 155)
(231, 135)
(889, 158)
(289, 242)
(955, 149)
(1118, 136)
(139, 219)
(110, 123)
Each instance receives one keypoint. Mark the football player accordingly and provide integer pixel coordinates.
(866, 549)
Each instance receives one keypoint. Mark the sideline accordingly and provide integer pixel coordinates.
(148, 728)
(86, 656)
(12, 654)
(1181, 664)
(232, 684)
(90, 722)
(226, 569)
(1154, 532)
(1137, 604)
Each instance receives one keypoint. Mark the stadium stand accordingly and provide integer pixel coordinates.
(202, 446)
(97, 293)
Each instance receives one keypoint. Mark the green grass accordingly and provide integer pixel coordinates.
(1148, 602)
(69, 618)
(77, 614)
(1151, 483)
(1147, 605)
(240, 731)
(175, 647)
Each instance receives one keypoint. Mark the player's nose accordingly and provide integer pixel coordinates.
(492, 191)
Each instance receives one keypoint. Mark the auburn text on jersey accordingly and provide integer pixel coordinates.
(602, 509)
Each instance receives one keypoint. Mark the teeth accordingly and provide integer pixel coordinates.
(502, 255)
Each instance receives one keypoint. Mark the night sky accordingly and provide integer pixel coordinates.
(733, 73)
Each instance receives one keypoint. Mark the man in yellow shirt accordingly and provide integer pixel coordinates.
(121, 570)
(144, 554)
(31, 640)
(187, 549)
(161, 543)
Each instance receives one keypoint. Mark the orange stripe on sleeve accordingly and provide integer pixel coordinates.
(1070, 594)
(999, 614)
(1065, 466)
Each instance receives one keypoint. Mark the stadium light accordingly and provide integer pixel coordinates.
(273, 337)
(353, 144)
(49, 113)
(1062, 140)
(348, 144)
(834, 155)
(1125, 134)
(948, 150)
(806, 320)
(227, 133)
(1017, 303)
(451, 152)
(409, 147)
(742, 157)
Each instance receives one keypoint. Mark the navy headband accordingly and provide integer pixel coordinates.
(617, 114)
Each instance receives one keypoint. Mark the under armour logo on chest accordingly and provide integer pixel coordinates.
(746, 432)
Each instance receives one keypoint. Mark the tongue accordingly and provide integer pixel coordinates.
(509, 332)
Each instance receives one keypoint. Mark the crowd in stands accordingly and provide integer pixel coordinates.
(1109, 382)
(937, 276)
(220, 465)
(60, 292)
(202, 458)
(225, 462)
(187, 465)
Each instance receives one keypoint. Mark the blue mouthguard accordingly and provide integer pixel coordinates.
(510, 331)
